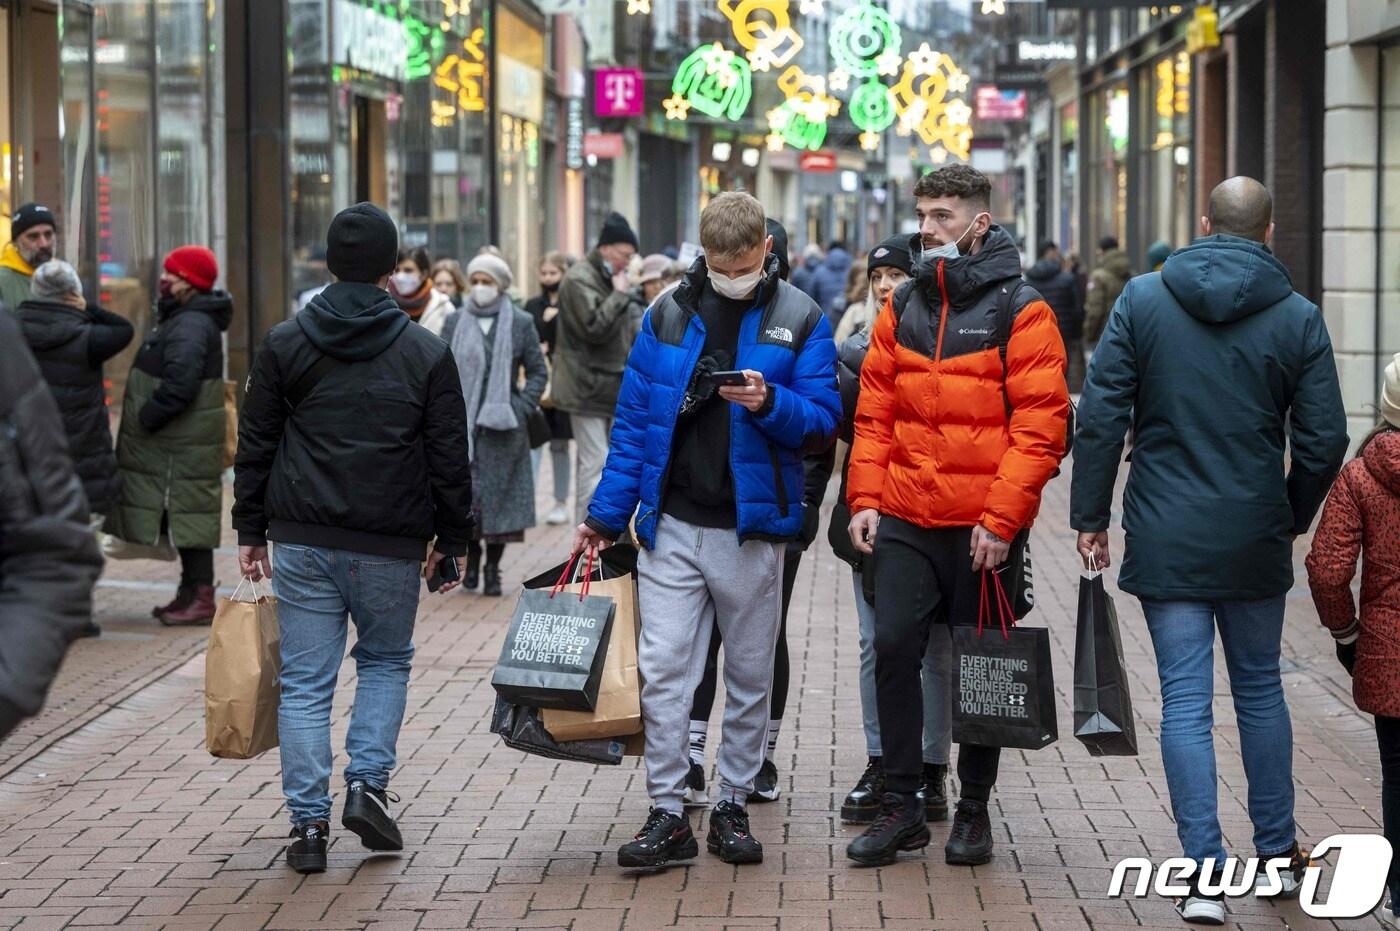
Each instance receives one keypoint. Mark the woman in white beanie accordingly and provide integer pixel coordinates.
(1362, 519)
(492, 341)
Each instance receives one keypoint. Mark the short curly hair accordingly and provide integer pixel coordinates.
(956, 181)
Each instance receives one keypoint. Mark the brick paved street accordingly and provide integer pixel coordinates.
(112, 814)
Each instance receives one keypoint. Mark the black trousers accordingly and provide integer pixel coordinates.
(1388, 736)
(704, 700)
(196, 567)
(922, 577)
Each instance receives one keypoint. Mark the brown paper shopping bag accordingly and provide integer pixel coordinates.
(618, 712)
(241, 687)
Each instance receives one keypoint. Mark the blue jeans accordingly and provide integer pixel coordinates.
(316, 588)
(1183, 636)
(937, 677)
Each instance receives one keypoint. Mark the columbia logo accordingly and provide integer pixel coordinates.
(970, 332)
(780, 334)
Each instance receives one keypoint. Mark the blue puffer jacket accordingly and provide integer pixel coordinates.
(784, 336)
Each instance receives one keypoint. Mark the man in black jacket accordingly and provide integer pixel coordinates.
(48, 555)
(1057, 285)
(351, 459)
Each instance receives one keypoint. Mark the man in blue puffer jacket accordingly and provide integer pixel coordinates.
(714, 474)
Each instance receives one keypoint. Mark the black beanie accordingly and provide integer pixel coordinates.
(892, 253)
(616, 229)
(780, 247)
(362, 244)
(30, 216)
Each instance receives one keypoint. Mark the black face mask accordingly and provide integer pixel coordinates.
(549, 288)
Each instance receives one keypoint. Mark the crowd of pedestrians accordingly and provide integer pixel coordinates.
(396, 423)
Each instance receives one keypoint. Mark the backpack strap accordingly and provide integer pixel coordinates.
(306, 383)
(1007, 305)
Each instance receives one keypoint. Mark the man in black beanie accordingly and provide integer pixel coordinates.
(351, 460)
(33, 239)
(599, 316)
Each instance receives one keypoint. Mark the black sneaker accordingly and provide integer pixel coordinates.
(1291, 875)
(862, 803)
(899, 826)
(367, 814)
(970, 841)
(765, 784)
(695, 794)
(91, 629)
(307, 852)
(665, 837)
(934, 791)
(729, 836)
(1201, 908)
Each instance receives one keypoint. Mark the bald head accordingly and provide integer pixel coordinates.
(1240, 207)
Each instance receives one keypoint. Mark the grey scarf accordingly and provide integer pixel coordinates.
(492, 409)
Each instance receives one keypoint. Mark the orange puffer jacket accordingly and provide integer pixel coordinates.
(934, 442)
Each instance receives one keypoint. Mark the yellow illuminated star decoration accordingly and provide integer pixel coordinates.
(677, 107)
(838, 80)
(923, 60)
(910, 119)
(938, 155)
(775, 142)
(889, 62)
(993, 7)
(762, 58)
(870, 141)
(635, 7)
(959, 113)
(813, 7)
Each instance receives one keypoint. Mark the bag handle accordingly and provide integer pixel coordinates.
(247, 580)
(1003, 604)
(568, 571)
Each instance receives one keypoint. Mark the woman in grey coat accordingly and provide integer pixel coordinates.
(492, 341)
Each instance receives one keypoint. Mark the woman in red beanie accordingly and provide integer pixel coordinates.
(171, 442)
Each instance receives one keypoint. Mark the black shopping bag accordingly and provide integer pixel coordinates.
(520, 728)
(555, 648)
(1103, 707)
(1006, 689)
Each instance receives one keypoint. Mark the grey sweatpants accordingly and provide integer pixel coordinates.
(692, 575)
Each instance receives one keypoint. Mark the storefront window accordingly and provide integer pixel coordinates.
(1109, 180)
(1168, 151)
(1388, 247)
(79, 233)
(313, 200)
(1069, 178)
(520, 95)
(186, 165)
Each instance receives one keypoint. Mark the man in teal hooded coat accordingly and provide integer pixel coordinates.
(1226, 376)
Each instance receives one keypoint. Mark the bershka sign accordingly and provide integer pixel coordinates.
(1358, 879)
(1046, 50)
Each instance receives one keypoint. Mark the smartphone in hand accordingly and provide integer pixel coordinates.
(447, 571)
(732, 379)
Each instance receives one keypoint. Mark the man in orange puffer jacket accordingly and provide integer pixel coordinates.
(952, 449)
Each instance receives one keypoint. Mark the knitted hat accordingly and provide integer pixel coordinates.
(654, 268)
(54, 280)
(195, 264)
(1390, 393)
(892, 253)
(493, 266)
(780, 247)
(362, 244)
(30, 216)
(616, 229)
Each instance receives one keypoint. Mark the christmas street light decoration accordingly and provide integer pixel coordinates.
(637, 7)
(860, 38)
(870, 141)
(889, 62)
(809, 93)
(872, 107)
(993, 7)
(923, 60)
(813, 7)
(791, 122)
(714, 81)
(764, 29)
(838, 80)
(925, 102)
(463, 75)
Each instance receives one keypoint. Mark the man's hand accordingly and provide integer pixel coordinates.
(622, 281)
(253, 563)
(750, 396)
(430, 570)
(1093, 549)
(586, 538)
(988, 549)
(864, 525)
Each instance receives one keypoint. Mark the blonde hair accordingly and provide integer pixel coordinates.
(558, 260)
(732, 224)
(453, 268)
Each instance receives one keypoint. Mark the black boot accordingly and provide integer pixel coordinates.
(863, 802)
(473, 575)
(492, 588)
(970, 841)
(307, 851)
(934, 791)
(899, 826)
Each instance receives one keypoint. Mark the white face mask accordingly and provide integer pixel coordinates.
(949, 250)
(736, 289)
(406, 282)
(484, 295)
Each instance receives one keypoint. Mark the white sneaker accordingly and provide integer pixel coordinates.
(560, 515)
(1202, 910)
(1390, 916)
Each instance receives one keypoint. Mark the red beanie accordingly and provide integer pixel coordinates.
(195, 264)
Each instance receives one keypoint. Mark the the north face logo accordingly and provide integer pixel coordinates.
(779, 334)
